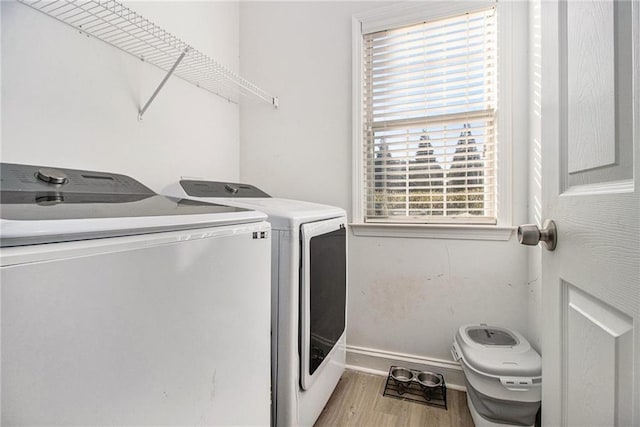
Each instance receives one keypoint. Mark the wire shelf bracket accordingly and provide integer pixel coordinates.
(162, 83)
(117, 25)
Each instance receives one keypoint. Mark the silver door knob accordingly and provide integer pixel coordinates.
(530, 234)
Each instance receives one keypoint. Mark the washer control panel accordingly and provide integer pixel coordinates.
(29, 178)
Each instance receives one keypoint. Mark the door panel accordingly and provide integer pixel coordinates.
(591, 85)
(590, 186)
(596, 60)
(597, 337)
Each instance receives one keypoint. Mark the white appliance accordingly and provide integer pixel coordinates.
(503, 375)
(309, 296)
(122, 307)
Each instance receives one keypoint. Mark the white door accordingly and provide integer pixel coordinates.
(323, 296)
(591, 188)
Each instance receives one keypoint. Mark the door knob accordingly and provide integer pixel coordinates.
(530, 234)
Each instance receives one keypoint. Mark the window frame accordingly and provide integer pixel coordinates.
(409, 13)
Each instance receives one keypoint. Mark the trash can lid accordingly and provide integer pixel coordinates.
(490, 335)
(497, 351)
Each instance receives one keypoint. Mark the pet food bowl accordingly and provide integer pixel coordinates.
(402, 375)
(429, 379)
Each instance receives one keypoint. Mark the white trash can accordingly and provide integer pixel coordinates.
(502, 374)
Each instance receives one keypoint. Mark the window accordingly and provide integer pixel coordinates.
(427, 143)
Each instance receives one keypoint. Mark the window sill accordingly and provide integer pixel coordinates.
(434, 231)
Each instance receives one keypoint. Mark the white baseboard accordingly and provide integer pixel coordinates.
(377, 362)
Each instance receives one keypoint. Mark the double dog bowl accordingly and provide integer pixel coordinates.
(417, 386)
(404, 377)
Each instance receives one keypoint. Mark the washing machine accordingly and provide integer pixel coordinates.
(309, 294)
(123, 307)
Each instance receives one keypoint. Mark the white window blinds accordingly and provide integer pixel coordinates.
(429, 121)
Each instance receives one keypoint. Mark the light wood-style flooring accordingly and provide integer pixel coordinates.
(358, 401)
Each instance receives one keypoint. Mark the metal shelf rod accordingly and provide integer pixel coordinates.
(162, 83)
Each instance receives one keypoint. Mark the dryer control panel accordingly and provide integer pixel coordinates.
(196, 188)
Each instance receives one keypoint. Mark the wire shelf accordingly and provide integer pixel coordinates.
(119, 26)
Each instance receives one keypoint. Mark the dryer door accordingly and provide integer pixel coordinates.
(323, 295)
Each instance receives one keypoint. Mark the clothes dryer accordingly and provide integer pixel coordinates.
(123, 307)
(309, 294)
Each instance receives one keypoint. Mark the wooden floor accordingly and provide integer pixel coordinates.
(358, 401)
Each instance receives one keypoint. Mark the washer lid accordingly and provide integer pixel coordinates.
(497, 352)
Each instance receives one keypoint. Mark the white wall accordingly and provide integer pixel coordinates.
(407, 296)
(72, 101)
(301, 52)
